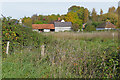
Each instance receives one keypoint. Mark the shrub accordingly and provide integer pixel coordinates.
(19, 36)
(90, 28)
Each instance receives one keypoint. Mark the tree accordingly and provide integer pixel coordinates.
(111, 10)
(101, 11)
(73, 17)
(27, 21)
(110, 16)
(86, 14)
(94, 15)
(73, 8)
(118, 23)
(52, 18)
(34, 18)
(80, 13)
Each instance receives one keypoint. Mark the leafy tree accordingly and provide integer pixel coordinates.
(27, 21)
(73, 8)
(118, 23)
(86, 14)
(94, 15)
(52, 18)
(62, 17)
(110, 16)
(77, 15)
(80, 13)
(34, 18)
(73, 17)
(111, 10)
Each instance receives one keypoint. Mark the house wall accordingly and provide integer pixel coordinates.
(46, 30)
(108, 28)
(57, 29)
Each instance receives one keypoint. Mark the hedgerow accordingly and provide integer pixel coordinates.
(19, 36)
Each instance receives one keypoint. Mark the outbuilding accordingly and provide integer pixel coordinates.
(43, 27)
(106, 26)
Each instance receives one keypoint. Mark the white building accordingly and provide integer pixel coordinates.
(62, 26)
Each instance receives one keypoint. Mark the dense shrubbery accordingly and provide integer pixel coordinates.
(18, 36)
(90, 28)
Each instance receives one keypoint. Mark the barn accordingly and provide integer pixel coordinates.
(43, 27)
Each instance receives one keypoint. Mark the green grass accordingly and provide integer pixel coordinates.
(65, 58)
(0, 51)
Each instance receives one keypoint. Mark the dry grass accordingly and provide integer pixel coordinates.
(83, 35)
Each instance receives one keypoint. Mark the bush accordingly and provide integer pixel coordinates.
(90, 28)
(75, 27)
(19, 36)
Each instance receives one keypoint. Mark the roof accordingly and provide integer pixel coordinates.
(62, 24)
(106, 25)
(43, 26)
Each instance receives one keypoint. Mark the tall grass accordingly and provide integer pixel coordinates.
(84, 35)
(68, 55)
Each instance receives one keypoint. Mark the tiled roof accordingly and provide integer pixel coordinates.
(43, 26)
(63, 24)
(106, 25)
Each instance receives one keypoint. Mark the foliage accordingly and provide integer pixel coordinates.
(73, 8)
(18, 36)
(86, 58)
(110, 16)
(90, 28)
(94, 15)
(86, 15)
(111, 10)
(96, 24)
(75, 27)
(27, 22)
(73, 17)
(40, 22)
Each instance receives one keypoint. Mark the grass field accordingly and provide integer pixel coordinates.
(67, 55)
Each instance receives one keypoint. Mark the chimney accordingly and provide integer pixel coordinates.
(58, 18)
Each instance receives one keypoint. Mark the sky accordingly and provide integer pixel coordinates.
(19, 8)
(59, 0)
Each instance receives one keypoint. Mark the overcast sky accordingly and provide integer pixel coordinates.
(20, 8)
(59, 0)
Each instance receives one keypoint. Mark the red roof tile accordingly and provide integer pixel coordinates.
(43, 26)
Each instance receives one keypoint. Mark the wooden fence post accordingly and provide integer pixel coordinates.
(113, 36)
(7, 47)
(42, 51)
